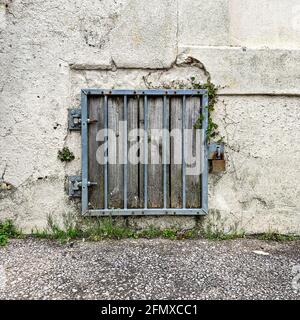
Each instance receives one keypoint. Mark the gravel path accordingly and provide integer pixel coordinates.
(149, 269)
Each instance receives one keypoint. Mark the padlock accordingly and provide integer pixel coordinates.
(218, 165)
(218, 162)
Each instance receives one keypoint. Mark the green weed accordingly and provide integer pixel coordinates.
(8, 230)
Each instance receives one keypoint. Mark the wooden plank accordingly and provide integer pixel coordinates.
(155, 169)
(96, 199)
(193, 186)
(175, 152)
(166, 145)
(115, 171)
(133, 169)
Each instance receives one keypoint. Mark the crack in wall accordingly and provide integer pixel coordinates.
(4, 172)
(181, 60)
(246, 204)
(177, 75)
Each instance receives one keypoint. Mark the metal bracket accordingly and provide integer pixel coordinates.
(216, 151)
(74, 186)
(74, 119)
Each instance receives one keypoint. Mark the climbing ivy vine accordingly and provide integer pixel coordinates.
(212, 129)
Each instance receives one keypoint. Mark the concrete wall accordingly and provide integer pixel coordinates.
(250, 48)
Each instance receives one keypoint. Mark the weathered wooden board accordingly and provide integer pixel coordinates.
(166, 149)
(141, 153)
(133, 169)
(155, 172)
(96, 171)
(175, 179)
(115, 167)
(193, 186)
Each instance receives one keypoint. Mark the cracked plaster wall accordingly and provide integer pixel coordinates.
(49, 50)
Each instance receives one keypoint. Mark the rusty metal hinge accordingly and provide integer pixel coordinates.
(75, 185)
(74, 119)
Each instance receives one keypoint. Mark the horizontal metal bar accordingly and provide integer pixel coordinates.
(145, 212)
(153, 92)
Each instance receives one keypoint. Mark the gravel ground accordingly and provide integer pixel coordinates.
(149, 269)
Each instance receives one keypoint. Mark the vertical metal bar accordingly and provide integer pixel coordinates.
(84, 150)
(125, 150)
(165, 113)
(183, 153)
(204, 178)
(145, 152)
(106, 152)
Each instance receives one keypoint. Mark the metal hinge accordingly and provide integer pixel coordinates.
(75, 185)
(74, 119)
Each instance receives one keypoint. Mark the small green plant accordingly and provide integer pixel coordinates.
(8, 230)
(275, 236)
(215, 230)
(53, 231)
(221, 236)
(3, 239)
(70, 231)
(212, 129)
(150, 233)
(107, 229)
(189, 234)
(39, 234)
(169, 234)
(65, 155)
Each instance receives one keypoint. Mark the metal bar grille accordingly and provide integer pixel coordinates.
(144, 209)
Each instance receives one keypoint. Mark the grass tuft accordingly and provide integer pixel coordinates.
(107, 228)
(275, 236)
(8, 230)
(221, 236)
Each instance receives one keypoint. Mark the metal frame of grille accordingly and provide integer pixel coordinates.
(85, 93)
